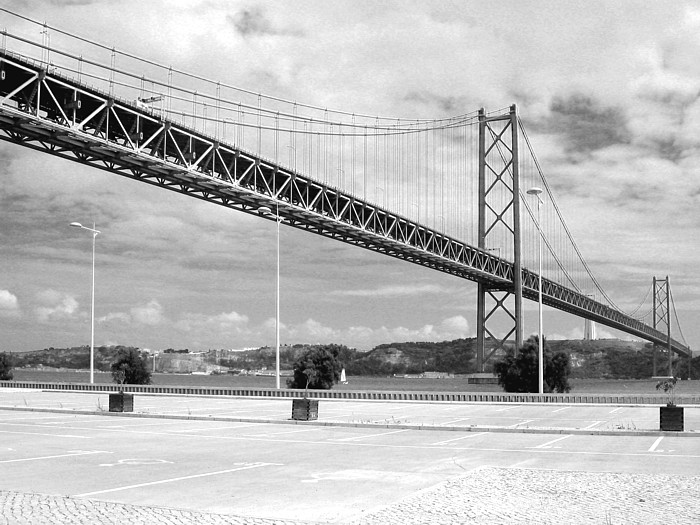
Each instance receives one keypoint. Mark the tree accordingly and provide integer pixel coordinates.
(130, 367)
(518, 372)
(318, 368)
(6, 367)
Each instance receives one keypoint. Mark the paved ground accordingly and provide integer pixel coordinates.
(371, 463)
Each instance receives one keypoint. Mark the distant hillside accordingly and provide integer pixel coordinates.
(603, 358)
(77, 357)
(456, 357)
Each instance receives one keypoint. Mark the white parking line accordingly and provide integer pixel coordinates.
(656, 444)
(31, 418)
(459, 438)
(521, 423)
(548, 443)
(70, 454)
(560, 409)
(355, 438)
(41, 434)
(454, 421)
(172, 480)
(595, 423)
(273, 434)
(507, 408)
(205, 429)
(615, 410)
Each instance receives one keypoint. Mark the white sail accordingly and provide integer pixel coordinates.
(343, 379)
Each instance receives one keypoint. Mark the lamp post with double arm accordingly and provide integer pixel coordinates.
(92, 314)
(540, 354)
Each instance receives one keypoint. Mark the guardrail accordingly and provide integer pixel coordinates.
(365, 395)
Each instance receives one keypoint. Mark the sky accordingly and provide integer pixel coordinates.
(608, 91)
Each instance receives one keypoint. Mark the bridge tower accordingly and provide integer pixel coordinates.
(499, 226)
(662, 319)
(589, 332)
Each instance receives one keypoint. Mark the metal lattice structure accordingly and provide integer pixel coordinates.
(498, 176)
(662, 319)
(54, 113)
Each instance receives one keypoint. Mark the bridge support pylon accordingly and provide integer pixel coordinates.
(499, 232)
(662, 319)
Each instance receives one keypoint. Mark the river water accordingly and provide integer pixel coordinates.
(598, 386)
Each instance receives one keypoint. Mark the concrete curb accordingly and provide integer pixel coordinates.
(527, 430)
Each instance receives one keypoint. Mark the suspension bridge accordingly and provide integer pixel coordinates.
(449, 194)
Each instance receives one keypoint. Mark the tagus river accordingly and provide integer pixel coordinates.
(366, 383)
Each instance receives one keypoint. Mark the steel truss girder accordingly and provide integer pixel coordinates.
(54, 114)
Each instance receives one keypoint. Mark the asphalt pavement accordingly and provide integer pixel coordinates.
(183, 459)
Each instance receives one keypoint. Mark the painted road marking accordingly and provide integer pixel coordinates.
(71, 453)
(135, 461)
(70, 436)
(615, 410)
(354, 438)
(507, 408)
(459, 438)
(521, 423)
(454, 421)
(595, 423)
(244, 466)
(206, 429)
(31, 418)
(560, 409)
(656, 444)
(549, 443)
(273, 434)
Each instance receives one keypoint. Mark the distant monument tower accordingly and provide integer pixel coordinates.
(589, 330)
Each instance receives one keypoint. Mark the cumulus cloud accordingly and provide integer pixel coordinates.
(365, 338)
(9, 305)
(56, 306)
(586, 124)
(148, 314)
(119, 317)
(224, 323)
(254, 22)
(392, 291)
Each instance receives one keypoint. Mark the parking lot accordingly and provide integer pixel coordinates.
(244, 457)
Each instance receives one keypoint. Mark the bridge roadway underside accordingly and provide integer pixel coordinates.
(182, 455)
(54, 114)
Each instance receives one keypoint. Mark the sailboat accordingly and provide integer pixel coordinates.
(343, 379)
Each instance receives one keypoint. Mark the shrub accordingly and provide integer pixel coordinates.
(130, 367)
(518, 372)
(318, 369)
(6, 367)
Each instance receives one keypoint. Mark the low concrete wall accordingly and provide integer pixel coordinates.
(447, 397)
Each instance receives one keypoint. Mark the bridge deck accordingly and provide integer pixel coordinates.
(53, 113)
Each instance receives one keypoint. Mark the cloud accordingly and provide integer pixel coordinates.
(150, 314)
(120, 317)
(585, 124)
(393, 291)
(221, 324)
(365, 337)
(253, 22)
(57, 306)
(9, 305)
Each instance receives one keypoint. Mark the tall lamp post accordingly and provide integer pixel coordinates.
(92, 316)
(267, 212)
(540, 354)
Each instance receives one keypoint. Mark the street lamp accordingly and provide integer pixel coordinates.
(267, 212)
(540, 356)
(92, 331)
